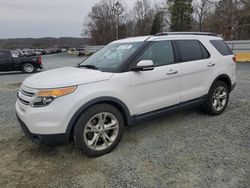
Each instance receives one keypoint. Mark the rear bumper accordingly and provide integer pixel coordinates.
(51, 140)
(40, 66)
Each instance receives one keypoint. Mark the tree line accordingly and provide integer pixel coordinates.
(37, 43)
(111, 19)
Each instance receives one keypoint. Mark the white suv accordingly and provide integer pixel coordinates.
(129, 80)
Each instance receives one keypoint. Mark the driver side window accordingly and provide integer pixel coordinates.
(160, 52)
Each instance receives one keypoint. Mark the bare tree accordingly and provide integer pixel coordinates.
(102, 22)
(143, 14)
(201, 9)
(109, 20)
(243, 17)
(226, 17)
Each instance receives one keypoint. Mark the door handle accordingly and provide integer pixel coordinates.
(210, 64)
(172, 72)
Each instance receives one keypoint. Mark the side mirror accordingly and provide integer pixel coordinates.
(144, 65)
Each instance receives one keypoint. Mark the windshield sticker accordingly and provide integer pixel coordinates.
(124, 47)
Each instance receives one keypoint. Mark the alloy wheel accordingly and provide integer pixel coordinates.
(101, 131)
(219, 98)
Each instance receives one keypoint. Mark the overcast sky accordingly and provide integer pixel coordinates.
(44, 18)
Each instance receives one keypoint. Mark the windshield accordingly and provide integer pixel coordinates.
(112, 55)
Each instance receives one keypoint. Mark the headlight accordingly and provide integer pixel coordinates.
(45, 96)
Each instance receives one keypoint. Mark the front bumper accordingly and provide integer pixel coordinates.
(51, 140)
(48, 120)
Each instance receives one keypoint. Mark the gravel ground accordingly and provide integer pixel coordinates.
(186, 149)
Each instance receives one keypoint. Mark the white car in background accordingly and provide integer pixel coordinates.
(127, 81)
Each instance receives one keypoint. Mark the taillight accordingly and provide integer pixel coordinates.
(234, 59)
(39, 61)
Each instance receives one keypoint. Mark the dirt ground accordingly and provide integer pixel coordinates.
(185, 149)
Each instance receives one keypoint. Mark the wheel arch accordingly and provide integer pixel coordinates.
(107, 100)
(224, 78)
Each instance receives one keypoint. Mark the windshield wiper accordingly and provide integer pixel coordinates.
(89, 67)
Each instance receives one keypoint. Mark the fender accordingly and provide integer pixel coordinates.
(110, 100)
(226, 79)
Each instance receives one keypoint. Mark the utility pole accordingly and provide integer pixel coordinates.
(118, 10)
(116, 27)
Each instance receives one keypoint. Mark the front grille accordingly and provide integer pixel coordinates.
(26, 95)
(29, 94)
(23, 101)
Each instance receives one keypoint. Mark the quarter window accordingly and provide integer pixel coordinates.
(191, 50)
(204, 51)
(160, 52)
(222, 47)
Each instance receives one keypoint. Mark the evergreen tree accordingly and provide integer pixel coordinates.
(157, 23)
(181, 15)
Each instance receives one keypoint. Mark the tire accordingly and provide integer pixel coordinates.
(218, 97)
(28, 68)
(90, 134)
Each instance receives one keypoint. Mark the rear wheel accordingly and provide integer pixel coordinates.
(28, 68)
(99, 130)
(217, 98)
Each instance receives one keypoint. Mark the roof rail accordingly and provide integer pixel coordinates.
(185, 33)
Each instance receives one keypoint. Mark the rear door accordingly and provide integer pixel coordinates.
(226, 59)
(196, 68)
(158, 88)
(5, 61)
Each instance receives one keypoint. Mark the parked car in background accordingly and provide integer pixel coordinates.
(84, 52)
(72, 51)
(36, 52)
(8, 62)
(24, 54)
(63, 50)
(14, 54)
(89, 50)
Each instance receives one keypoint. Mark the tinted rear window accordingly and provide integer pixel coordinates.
(222, 47)
(191, 50)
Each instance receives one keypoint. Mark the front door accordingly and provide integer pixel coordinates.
(158, 88)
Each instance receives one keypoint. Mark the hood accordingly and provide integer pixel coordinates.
(66, 76)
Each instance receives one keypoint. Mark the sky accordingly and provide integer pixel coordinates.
(44, 18)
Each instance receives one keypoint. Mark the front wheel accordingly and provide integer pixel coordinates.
(99, 130)
(217, 98)
(28, 68)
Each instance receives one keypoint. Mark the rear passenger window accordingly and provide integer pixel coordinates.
(222, 47)
(191, 50)
(160, 52)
